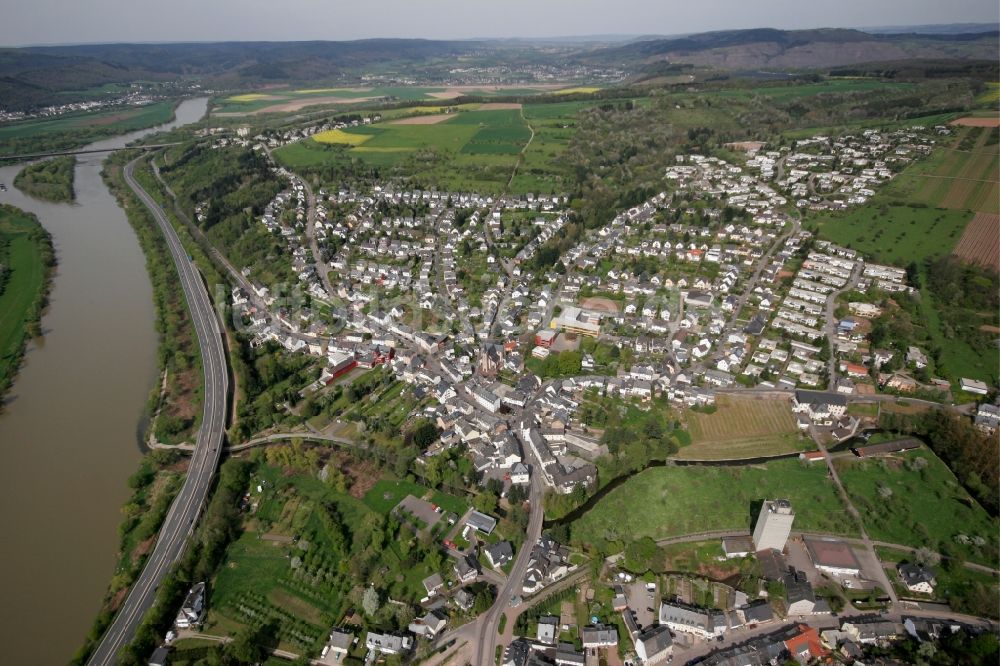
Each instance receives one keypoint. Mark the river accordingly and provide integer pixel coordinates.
(69, 436)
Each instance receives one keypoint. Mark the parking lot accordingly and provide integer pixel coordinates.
(643, 602)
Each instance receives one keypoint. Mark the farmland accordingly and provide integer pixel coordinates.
(474, 149)
(742, 428)
(960, 177)
(340, 137)
(278, 100)
(686, 500)
(980, 243)
(77, 129)
(913, 499)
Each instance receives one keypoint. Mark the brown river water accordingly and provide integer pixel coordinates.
(69, 436)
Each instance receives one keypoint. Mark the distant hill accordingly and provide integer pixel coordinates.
(36, 76)
(33, 75)
(933, 29)
(767, 48)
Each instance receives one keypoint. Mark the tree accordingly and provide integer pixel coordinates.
(639, 554)
(425, 433)
(517, 495)
(249, 646)
(370, 601)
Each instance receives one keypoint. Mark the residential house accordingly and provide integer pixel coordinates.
(917, 578)
(499, 554)
(388, 643)
(599, 636)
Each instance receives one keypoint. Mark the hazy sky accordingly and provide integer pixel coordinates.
(75, 21)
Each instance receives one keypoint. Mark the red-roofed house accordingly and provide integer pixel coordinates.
(855, 370)
(806, 647)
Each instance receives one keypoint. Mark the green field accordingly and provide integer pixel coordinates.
(102, 123)
(792, 92)
(669, 501)
(24, 252)
(891, 232)
(474, 150)
(962, 176)
(386, 494)
(742, 428)
(902, 504)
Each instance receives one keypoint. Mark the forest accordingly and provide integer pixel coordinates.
(51, 180)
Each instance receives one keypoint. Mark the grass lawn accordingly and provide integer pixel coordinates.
(669, 501)
(386, 494)
(743, 428)
(25, 278)
(863, 409)
(925, 507)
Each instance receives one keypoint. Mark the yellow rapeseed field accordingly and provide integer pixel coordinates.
(341, 137)
(249, 97)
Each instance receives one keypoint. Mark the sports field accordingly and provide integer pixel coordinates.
(742, 428)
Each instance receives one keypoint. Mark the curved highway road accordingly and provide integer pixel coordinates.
(179, 523)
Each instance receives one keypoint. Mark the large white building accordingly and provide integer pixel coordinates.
(773, 525)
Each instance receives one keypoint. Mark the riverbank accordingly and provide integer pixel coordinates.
(49, 180)
(27, 262)
(177, 402)
(74, 419)
(154, 486)
(75, 130)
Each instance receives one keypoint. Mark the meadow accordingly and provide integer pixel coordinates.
(25, 254)
(892, 232)
(784, 93)
(742, 428)
(661, 502)
(913, 499)
(77, 129)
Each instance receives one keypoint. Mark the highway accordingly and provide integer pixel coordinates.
(183, 513)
